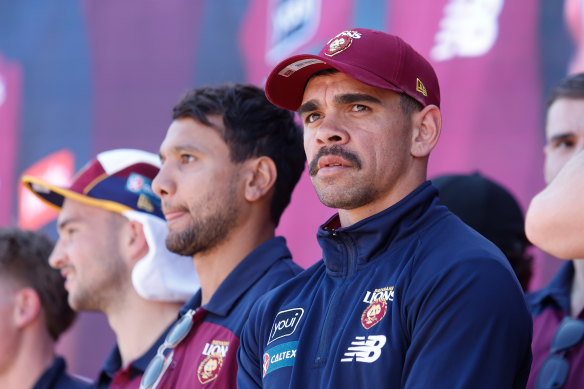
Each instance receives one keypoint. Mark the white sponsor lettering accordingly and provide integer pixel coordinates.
(283, 355)
(362, 350)
(215, 349)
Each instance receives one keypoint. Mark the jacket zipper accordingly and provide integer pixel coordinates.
(323, 350)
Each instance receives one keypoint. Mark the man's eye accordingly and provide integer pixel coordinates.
(312, 117)
(359, 108)
(187, 158)
(563, 144)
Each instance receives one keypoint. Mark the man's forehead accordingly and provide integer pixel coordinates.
(332, 84)
(183, 133)
(73, 210)
(565, 116)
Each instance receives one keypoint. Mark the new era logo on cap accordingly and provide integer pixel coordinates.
(117, 180)
(372, 57)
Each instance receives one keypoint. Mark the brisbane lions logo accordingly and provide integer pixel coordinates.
(374, 313)
(209, 369)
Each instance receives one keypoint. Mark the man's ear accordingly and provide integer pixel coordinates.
(27, 307)
(427, 126)
(261, 178)
(136, 243)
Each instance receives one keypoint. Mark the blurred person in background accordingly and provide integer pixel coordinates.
(230, 161)
(112, 253)
(555, 217)
(554, 306)
(34, 313)
(492, 211)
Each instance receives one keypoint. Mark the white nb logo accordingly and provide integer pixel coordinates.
(469, 28)
(363, 350)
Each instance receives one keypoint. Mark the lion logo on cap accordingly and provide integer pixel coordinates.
(341, 42)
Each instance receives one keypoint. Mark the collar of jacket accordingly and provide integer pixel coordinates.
(346, 249)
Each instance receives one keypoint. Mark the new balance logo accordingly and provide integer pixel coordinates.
(362, 350)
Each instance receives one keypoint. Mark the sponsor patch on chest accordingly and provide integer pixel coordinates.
(279, 356)
(285, 323)
(365, 349)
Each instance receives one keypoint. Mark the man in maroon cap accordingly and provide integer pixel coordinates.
(407, 295)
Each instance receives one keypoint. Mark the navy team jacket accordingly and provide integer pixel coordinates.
(408, 298)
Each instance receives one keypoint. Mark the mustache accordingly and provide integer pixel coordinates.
(333, 150)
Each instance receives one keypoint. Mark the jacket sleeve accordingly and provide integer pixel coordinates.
(469, 327)
(249, 374)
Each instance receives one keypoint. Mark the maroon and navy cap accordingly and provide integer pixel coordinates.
(373, 57)
(117, 180)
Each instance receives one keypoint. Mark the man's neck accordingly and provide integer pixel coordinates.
(138, 323)
(33, 356)
(400, 190)
(577, 290)
(214, 266)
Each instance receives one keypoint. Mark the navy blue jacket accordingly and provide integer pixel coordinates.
(408, 298)
(55, 377)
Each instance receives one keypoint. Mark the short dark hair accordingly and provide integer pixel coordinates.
(24, 258)
(408, 104)
(571, 87)
(254, 127)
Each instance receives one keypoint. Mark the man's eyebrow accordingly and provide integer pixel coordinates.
(557, 137)
(310, 105)
(349, 98)
(179, 149)
(63, 223)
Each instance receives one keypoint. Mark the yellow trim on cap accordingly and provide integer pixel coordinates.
(113, 206)
(93, 183)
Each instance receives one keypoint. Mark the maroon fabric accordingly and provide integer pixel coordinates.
(122, 380)
(87, 176)
(206, 358)
(356, 52)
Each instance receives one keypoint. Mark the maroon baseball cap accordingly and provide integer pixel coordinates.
(373, 57)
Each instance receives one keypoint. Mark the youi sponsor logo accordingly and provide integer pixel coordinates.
(285, 323)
